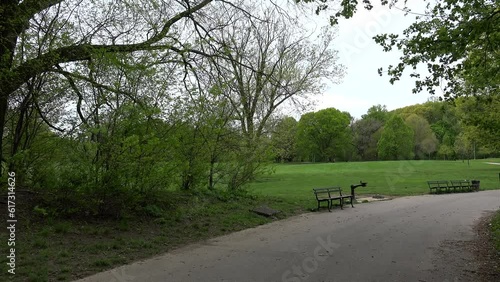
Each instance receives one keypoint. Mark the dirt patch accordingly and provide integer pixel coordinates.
(372, 198)
(455, 262)
(488, 259)
(468, 260)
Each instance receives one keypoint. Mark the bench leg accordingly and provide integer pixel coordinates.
(319, 202)
(351, 198)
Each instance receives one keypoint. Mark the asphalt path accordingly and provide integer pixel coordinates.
(419, 238)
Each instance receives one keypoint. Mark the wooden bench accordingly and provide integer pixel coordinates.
(329, 195)
(438, 185)
(462, 185)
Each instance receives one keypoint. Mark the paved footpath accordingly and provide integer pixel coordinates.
(420, 238)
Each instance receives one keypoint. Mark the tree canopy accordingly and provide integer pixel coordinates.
(323, 135)
(396, 141)
(457, 41)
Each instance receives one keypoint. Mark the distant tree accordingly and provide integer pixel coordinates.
(429, 145)
(324, 135)
(463, 146)
(366, 133)
(396, 142)
(445, 151)
(283, 139)
(424, 139)
(483, 114)
(377, 112)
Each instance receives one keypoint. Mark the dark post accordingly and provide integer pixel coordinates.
(361, 184)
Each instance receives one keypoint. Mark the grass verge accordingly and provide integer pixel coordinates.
(63, 250)
(495, 231)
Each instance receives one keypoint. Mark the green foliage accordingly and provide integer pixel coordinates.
(396, 141)
(324, 135)
(283, 140)
(458, 41)
(367, 132)
(153, 211)
(62, 227)
(377, 112)
(480, 117)
(424, 140)
(40, 211)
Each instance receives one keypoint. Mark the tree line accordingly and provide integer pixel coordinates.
(462, 129)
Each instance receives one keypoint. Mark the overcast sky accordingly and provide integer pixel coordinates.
(362, 87)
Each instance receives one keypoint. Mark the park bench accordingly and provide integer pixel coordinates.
(438, 185)
(462, 185)
(455, 185)
(329, 195)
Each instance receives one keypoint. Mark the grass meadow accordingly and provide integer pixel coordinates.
(294, 182)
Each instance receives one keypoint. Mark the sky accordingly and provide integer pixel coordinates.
(362, 87)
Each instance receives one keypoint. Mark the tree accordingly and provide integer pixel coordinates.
(366, 133)
(283, 139)
(457, 40)
(445, 151)
(271, 63)
(268, 61)
(396, 142)
(424, 140)
(324, 135)
(40, 37)
(377, 112)
(463, 146)
(483, 115)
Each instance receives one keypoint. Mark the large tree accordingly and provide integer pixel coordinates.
(283, 139)
(424, 139)
(56, 36)
(480, 119)
(366, 133)
(324, 135)
(269, 60)
(396, 142)
(367, 130)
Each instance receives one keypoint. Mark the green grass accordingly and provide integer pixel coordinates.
(63, 250)
(294, 182)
